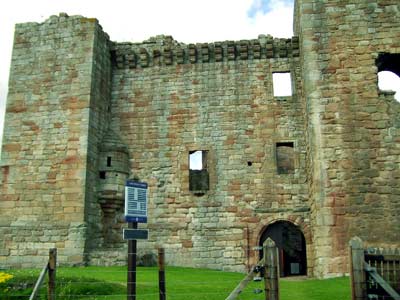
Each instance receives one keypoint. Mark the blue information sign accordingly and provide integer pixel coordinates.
(136, 201)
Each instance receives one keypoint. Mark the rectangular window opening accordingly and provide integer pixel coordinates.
(198, 172)
(102, 175)
(285, 158)
(108, 161)
(282, 84)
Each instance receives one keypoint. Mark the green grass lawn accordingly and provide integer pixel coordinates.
(181, 284)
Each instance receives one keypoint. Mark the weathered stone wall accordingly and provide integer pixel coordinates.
(226, 107)
(83, 114)
(99, 123)
(353, 129)
(45, 145)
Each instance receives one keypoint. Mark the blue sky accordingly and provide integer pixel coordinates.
(264, 7)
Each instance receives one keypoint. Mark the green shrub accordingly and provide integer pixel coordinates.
(20, 286)
(15, 287)
(78, 287)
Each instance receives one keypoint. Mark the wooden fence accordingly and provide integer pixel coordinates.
(49, 268)
(270, 265)
(375, 273)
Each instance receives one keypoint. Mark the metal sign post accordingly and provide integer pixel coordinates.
(132, 248)
(135, 212)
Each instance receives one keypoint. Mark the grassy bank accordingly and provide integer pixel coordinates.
(182, 284)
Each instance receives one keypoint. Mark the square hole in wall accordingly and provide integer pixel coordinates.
(285, 158)
(102, 174)
(198, 172)
(282, 84)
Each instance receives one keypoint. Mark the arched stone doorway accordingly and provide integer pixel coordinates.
(292, 247)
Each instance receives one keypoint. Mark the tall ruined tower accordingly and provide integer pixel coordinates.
(56, 112)
(353, 127)
(310, 168)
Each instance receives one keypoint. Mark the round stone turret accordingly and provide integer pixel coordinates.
(113, 172)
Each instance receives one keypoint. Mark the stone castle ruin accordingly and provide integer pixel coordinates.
(311, 169)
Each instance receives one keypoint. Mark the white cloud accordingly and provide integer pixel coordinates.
(277, 21)
(388, 81)
(265, 7)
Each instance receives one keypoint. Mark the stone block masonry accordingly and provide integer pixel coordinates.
(84, 114)
(45, 163)
(228, 109)
(353, 127)
(164, 51)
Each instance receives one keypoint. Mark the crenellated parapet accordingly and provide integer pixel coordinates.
(165, 51)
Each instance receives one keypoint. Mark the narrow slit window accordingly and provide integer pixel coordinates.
(282, 84)
(285, 158)
(108, 161)
(198, 172)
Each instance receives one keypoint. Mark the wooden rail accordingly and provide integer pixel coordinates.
(379, 280)
(375, 273)
(240, 287)
(270, 264)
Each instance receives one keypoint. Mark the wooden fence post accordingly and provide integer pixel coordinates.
(51, 291)
(271, 277)
(51, 268)
(161, 273)
(357, 273)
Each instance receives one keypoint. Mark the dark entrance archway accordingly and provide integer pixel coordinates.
(292, 247)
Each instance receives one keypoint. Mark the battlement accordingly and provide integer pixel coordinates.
(165, 51)
(77, 21)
